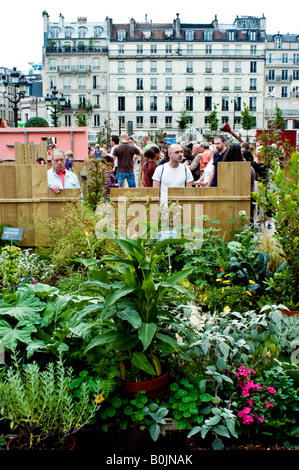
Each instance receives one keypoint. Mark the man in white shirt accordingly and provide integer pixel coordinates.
(59, 177)
(172, 174)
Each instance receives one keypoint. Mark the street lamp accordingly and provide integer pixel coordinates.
(19, 83)
(55, 103)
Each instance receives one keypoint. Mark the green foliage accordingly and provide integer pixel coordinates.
(9, 265)
(213, 120)
(184, 120)
(283, 198)
(69, 236)
(36, 122)
(81, 119)
(96, 182)
(135, 309)
(278, 121)
(247, 119)
(40, 404)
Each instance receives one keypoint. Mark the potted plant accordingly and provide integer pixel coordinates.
(41, 407)
(135, 319)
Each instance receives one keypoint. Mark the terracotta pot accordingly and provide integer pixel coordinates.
(289, 313)
(14, 445)
(155, 388)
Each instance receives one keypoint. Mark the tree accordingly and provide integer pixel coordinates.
(213, 120)
(37, 122)
(278, 121)
(184, 120)
(81, 119)
(247, 119)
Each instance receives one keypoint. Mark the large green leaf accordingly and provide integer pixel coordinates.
(140, 360)
(177, 277)
(103, 338)
(131, 316)
(54, 309)
(123, 342)
(41, 290)
(10, 336)
(26, 309)
(146, 334)
(116, 295)
(168, 340)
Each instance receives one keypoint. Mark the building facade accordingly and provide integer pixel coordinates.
(141, 76)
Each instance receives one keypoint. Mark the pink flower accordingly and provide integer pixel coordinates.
(271, 390)
(260, 419)
(244, 372)
(269, 405)
(33, 282)
(250, 402)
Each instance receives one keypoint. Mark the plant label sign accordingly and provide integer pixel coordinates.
(164, 234)
(12, 233)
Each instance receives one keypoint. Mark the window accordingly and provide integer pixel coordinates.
(81, 82)
(68, 32)
(67, 103)
(121, 66)
(208, 103)
(139, 66)
(67, 83)
(96, 101)
(121, 50)
(189, 66)
(153, 49)
(54, 33)
(147, 34)
(121, 103)
(139, 103)
(189, 103)
(52, 82)
(168, 121)
(277, 42)
(168, 83)
(225, 104)
(225, 49)
(82, 101)
(139, 83)
(208, 84)
(253, 66)
(168, 103)
(153, 66)
(284, 75)
(252, 35)
(121, 121)
(153, 121)
(121, 34)
(139, 121)
(208, 65)
(189, 84)
(284, 92)
(238, 84)
(96, 120)
(271, 90)
(252, 85)
(81, 64)
(66, 65)
(285, 58)
(96, 63)
(121, 84)
(68, 120)
(139, 49)
(238, 66)
(225, 84)
(97, 31)
(208, 35)
(230, 35)
(168, 49)
(296, 58)
(52, 64)
(189, 35)
(82, 31)
(253, 50)
(153, 103)
(270, 59)
(208, 49)
(271, 75)
(189, 48)
(252, 103)
(238, 103)
(168, 66)
(225, 66)
(295, 74)
(153, 83)
(95, 82)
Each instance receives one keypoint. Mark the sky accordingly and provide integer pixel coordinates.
(21, 23)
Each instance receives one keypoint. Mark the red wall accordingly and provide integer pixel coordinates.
(67, 138)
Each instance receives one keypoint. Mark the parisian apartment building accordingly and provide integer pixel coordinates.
(140, 77)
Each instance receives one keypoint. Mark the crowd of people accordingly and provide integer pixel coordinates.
(160, 165)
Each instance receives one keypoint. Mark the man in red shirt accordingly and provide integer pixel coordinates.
(148, 168)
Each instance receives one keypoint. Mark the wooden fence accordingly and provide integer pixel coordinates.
(222, 203)
(25, 197)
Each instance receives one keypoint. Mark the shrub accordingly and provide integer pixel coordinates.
(36, 122)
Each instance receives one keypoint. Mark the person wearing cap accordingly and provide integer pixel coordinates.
(59, 177)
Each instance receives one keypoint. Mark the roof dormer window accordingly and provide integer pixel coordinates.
(189, 35)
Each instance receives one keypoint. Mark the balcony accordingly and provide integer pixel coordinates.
(74, 69)
(75, 49)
